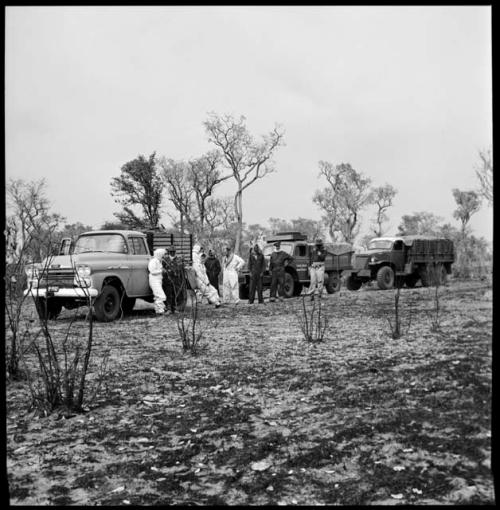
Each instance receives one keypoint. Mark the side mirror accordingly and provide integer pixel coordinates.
(65, 247)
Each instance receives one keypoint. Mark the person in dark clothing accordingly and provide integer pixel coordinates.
(214, 268)
(256, 267)
(174, 284)
(278, 261)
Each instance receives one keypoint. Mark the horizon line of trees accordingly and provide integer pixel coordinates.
(146, 184)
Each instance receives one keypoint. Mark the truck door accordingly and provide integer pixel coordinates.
(139, 257)
(398, 255)
(301, 258)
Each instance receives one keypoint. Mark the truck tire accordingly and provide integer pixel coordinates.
(385, 278)
(411, 280)
(352, 283)
(333, 283)
(244, 291)
(107, 305)
(288, 286)
(48, 308)
(128, 304)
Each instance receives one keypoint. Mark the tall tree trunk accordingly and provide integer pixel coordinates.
(238, 209)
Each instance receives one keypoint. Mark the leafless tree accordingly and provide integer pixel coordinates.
(30, 227)
(247, 159)
(484, 173)
(204, 175)
(175, 175)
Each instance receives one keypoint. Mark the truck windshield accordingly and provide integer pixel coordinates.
(101, 242)
(286, 247)
(380, 244)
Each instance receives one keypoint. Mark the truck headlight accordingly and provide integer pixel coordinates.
(82, 277)
(83, 271)
(33, 275)
(373, 260)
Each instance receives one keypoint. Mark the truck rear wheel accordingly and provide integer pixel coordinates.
(288, 286)
(352, 283)
(333, 283)
(385, 278)
(107, 305)
(48, 308)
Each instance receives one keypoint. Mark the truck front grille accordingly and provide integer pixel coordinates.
(360, 262)
(58, 277)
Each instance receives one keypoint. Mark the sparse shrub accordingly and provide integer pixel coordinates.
(313, 322)
(402, 317)
(189, 326)
(63, 365)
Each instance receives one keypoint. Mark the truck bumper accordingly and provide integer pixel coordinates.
(362, 273)
(75, 293)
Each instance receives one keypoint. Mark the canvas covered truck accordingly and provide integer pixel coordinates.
(402, 261)
(107, 268)
(297, 272)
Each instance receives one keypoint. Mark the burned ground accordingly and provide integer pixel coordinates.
(262, 417)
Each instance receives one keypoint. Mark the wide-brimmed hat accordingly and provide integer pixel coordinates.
(319, 242)
(277, 243)
(171, 248)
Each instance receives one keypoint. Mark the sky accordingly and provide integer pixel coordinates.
(403, 94)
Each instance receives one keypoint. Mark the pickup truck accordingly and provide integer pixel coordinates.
(297, 275)
(106, 268)
(402, 260)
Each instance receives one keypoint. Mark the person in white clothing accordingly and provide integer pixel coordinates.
(155, 268)
(202, 281)
(231, 264)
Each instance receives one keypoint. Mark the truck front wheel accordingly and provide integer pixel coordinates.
(352, 283)
(289, 285)
(107, 305)
(385, 278)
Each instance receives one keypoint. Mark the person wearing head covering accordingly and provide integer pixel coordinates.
(213, 267)
(231, 264)
(317, 269)
(155, 268)
(174, 283)
(201, 279)
(278, 261)
(256, 268)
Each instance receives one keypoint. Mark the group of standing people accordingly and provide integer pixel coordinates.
(166, 275)
(166, 279)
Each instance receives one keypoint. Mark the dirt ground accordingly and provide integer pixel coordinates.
(262, 417)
